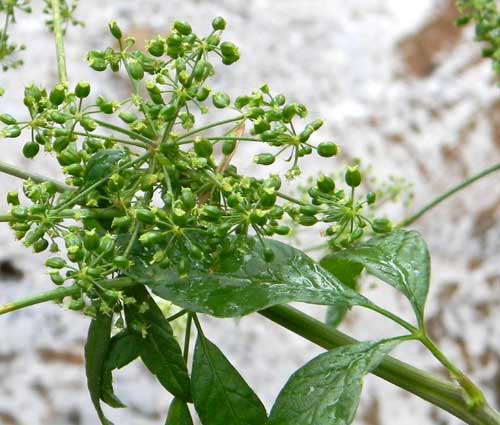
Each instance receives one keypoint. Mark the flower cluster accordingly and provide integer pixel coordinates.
(145, 182)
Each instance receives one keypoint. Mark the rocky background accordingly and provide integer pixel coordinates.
(399, 87)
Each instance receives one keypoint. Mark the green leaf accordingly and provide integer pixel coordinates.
(160, 350)
(245, 283)
(326, 390)
(124, 348)
(348, 273)
(179, 414)
(220, 394)
(96, 348)
(399, 258)
(101, 164)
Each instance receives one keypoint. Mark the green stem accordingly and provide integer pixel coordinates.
(289, 198)
(446, 195)
(114, 139)
(437, 391)
(475, 397)
(59, 37)
(56, 294)
(207, 127)
(129, 133)
(73, 213)
(403, 323)
(25, 175)
(222, 138)
(187, 337)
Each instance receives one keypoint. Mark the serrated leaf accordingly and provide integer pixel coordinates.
(399, 258)
(220, 394)
(326, 390)
(348, 273)
(124, 348)
(160, 350)
(96, 348)
(178, 413)
(247, 283)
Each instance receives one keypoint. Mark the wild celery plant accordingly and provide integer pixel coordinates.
(151, 204)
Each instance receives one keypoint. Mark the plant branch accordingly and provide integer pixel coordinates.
(56, 294)
(17, 172)
(446, 195)
(436, 391)
(59, 37)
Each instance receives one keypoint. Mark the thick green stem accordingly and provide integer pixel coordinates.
(438, 392)
(446, 195)
(17, 172)
(59, 37)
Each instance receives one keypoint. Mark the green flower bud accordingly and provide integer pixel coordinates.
(282, 230)
(309, 210)
(55, 263)
(156, 47)
(115, 30)
(145, 216)
(228, 147)
(76, 305)
(88, 124)
(353, 176)
(292, 110)
(371, 197)
(11, 131)
(121, 223)
(327, 149)
(59, 117)
(13, 198)
(306, 220)
(325, 184)
(381, 225)
(264, 159)
(211, 212)
(128, 117)
(188, 198)
(241, 101)
(182, 27)
(57, 95)
(34, 235)
(203, 94)
(19, 212)
(135, 69)
(258, 217)
(168, 112)
(151, 238)
(31, 149)
(218, 24)
(40, 245)
(268, 198)
(82, 89)
(56, 278)
(229, 49)
(221, 100)
(106, 244)
(121, 262)
(7, 119)
(203, 148)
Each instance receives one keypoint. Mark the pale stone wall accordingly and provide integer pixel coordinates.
(398, 86)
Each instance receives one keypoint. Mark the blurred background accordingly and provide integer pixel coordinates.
(400, 88)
